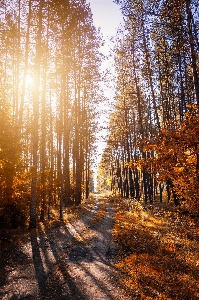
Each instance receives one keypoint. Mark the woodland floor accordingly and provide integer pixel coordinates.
(68, 261)
(110, 251)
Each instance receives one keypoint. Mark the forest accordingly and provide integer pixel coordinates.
(50, 78)
(153, 145)
(135, 235)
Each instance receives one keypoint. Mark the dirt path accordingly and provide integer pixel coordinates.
(73, 261)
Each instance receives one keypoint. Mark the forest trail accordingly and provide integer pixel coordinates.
(72, 261)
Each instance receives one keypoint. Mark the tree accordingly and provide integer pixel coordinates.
(53, 92)
(9, 151)
(157, 78)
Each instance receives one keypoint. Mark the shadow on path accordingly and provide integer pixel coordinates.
(53, 279)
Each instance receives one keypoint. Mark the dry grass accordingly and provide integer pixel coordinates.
(71, 213)
(101, 212)
(159, 252)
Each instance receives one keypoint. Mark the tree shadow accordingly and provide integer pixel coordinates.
(99, 284)
(11, 254)
(54, 253)
(58, 281)
(52, 276)
(4, 255)
(37, 260)
(81, 253)
(27, 297)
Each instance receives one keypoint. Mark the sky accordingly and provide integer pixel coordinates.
(107, 16)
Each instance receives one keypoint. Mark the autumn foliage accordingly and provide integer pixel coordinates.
(158, 252)
(172, 154)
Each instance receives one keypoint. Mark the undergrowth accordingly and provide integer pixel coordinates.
(70, 213)
(158, 250)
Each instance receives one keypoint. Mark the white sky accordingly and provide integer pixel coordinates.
(107, 16)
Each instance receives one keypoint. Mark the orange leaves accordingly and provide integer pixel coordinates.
(159, 256)
(170, 247)
(101, 213)
(172, 154)
(179, 169)
(192, 106)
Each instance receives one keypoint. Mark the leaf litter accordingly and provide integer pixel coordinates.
(71, 259)
(159, 251)
(153, 255)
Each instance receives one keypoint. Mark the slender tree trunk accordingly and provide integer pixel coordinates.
(193, 52)
(25, 63)
(149, 71)
(161, 188)
(33, 202)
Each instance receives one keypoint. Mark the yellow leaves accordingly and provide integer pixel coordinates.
(191, 159)
(109, 180)
(128, 262)
(147, 270)
(170, 247)
(152, 222)
(192, 106)
(174, 155)
(78, 237)
(72, 213)
(191, 223)
(149, 147)
(132, 164)
(101, 213)
(179, 169)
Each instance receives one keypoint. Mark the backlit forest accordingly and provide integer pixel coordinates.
(50, 92)
(135, 234)
(49, 64)
(152, 151)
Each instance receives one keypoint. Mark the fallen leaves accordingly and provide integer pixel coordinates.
(71, 213)
(101, 212)
(159, 254)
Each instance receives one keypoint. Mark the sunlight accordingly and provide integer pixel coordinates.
(29, 80)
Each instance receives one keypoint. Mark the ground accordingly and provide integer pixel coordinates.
(68, 261)
(113, 249)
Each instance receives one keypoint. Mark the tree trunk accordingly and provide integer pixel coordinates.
(33, 202)
(193, 51)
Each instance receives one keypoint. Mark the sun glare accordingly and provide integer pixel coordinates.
(29, 80)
